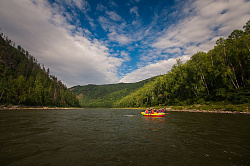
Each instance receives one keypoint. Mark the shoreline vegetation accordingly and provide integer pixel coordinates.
(208, 111)
(21, 107)
(212, 108)
(226, 109)
(233, 109)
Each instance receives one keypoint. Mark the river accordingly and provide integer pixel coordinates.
(122, 137)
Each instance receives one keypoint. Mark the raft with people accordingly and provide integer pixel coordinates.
(153, 113)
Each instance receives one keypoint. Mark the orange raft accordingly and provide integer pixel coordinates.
(155, 114)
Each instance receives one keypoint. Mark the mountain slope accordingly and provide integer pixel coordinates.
(23, 81)
(105, 95)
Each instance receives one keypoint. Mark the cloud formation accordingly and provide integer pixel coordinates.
(208, 21)
(152, 70)
(113, 15)
(83, 41)
(135, 11)
(201, 24)
(72, 58)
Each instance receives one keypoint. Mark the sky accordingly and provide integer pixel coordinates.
(112, 41)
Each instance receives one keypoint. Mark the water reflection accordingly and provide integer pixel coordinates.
(149, 119)
(153, 128)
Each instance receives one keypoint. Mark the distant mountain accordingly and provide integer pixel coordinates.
(24, 82)
(105, 95)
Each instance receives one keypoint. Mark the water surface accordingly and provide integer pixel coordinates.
(122, 137)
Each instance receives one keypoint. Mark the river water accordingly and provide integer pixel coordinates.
(122, 137)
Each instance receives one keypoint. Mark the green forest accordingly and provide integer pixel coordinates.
(105, 95)
(23, 81)
(218, 76)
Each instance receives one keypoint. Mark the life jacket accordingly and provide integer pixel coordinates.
(146, 111)
(152, 112)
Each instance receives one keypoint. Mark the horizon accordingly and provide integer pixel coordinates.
(110, 42)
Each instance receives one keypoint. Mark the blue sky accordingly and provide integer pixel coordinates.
(110, 41)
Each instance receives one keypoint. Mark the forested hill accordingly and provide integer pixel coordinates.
(222, 74)
(24, 82)
(105, 95)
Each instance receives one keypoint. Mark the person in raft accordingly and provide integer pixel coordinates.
(162, 110)
(149, 111)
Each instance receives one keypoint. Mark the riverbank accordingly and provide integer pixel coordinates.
(224, 108)
(211, 108)
(193, 108)
(208, 111)
(21, 107)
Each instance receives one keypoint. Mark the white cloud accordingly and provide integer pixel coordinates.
(100, 7)
(135, 11)
(113, 15)
(151, 70)
(73, 59)
(112, 3)
(125, 56)
(173, 50)
(198, 28)
(80, 4)
(122, 39)
(116, 31)
(195, 31)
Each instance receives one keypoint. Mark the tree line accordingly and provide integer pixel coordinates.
(23, 81)
(222, 74)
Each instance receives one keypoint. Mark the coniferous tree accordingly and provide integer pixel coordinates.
(24, 81)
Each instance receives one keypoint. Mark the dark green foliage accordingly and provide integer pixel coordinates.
(104, 95)
(222, 74)
(24, 82)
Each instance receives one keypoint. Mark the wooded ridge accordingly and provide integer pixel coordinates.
(24, 82)
(105, 95)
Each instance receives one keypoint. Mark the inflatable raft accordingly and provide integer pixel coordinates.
(155, 114)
